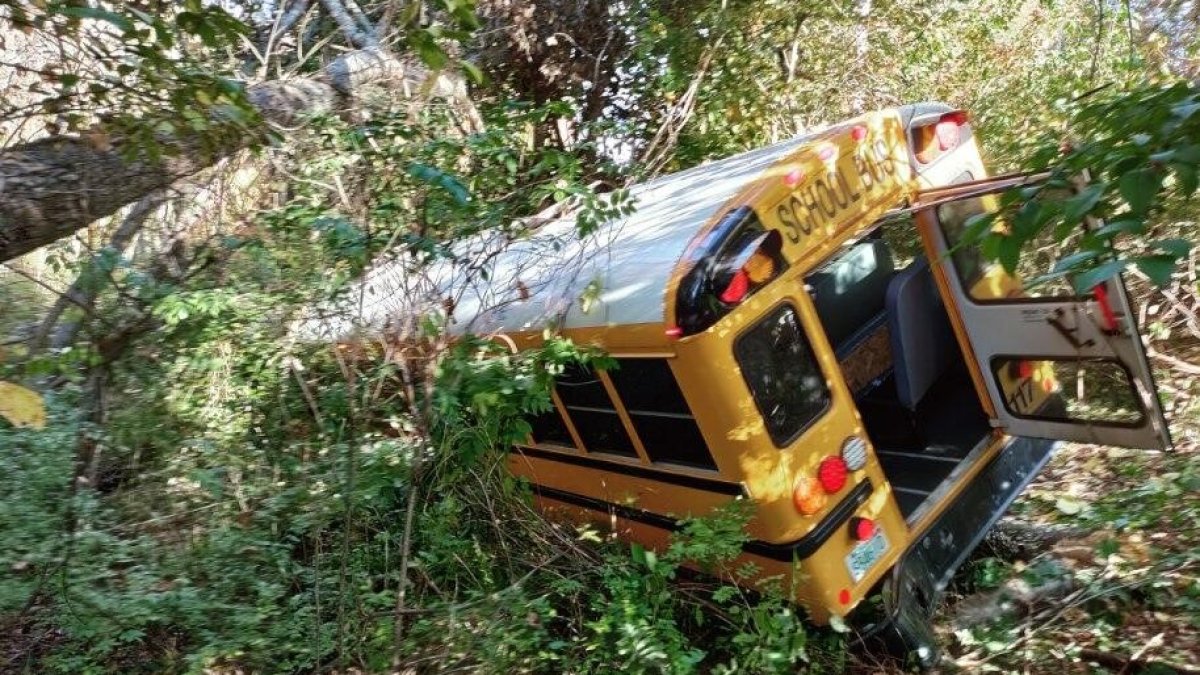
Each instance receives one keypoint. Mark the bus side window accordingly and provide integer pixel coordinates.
(592, 412)
(660, 415)
(548, 428)
(778, 365)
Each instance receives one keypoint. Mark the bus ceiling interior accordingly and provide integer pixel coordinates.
(886, 321)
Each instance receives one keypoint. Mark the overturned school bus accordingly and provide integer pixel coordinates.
(797, 327)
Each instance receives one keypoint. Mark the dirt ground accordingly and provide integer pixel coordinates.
(1097, 569)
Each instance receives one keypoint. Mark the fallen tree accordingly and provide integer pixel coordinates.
(54, 186)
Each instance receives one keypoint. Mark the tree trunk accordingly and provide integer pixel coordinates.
(54, 186)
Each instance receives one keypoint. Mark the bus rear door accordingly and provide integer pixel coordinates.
(1052, 363)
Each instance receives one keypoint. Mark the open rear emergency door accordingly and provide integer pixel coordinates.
(1054, 364)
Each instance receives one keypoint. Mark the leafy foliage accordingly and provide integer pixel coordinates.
(211, 493)
(1136, 156)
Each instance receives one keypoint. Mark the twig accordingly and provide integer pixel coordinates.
(86, 288)
(1176, 363)
(294, 366)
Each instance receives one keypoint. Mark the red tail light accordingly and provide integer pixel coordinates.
(738, 286)
(958, 117)
(948, 129)
(832, 474)
(862, 529)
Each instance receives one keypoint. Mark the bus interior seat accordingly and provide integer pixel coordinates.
(897, 352)
(923, 343)
(926, 417)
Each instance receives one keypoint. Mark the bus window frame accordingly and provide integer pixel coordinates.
(642, 458)
(1130, 381)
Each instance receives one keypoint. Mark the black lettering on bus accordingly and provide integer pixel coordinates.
(884, 157)
(788, 218)
(809, 201)
(825, 198)
(840, 194)
(864, 174)
(848, 196)
(803, 215)
(877, 173)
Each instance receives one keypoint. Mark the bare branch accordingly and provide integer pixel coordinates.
(292, 16)
(351, 28)
(86, 288)
(51, 187)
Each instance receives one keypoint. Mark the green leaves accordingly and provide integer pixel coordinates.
(1075, 208)
(1159, 268)
(438, 178)
(1088, 280)
(118, 20)
(1139, 149)
(1139, 189)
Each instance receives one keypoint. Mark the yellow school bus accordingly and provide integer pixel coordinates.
(797, 326)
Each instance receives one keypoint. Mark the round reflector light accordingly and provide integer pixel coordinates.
(807, 496)
(862, 529)
(854, 453)
(832, 474)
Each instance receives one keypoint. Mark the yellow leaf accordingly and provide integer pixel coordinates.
(21, 407)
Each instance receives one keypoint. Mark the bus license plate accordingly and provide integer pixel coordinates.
(866, 554)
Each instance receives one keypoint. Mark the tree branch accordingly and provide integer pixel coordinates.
(350, 26)
(54, 186)
(86, 288)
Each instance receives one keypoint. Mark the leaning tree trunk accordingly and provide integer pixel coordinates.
(54, 186)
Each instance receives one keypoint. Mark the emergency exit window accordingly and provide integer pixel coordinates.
(779, 367)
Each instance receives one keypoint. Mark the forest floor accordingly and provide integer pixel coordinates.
(1107, 578)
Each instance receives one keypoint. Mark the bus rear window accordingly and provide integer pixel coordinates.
(778, 365)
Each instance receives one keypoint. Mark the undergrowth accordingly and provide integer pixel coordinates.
(218, 495)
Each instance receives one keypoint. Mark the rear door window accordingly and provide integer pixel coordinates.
(778, 365)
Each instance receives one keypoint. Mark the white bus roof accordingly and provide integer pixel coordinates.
(623, 266)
